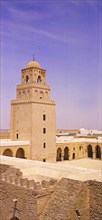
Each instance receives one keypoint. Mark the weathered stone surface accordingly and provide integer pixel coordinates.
(26, 202)
(95, 200)
(72, 198)
(3, 168)
(63, 200)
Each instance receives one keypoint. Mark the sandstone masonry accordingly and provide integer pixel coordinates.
(49, 200)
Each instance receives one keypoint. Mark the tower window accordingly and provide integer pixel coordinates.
(39, 79)
(27, 79)
(44, 130)
(16, 136)
(41, 94)
(44, 160)
(44, 117)
(44, 145)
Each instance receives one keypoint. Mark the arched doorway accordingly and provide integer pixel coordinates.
(98, 152)
(20, 153)
(89, 150)
(59, 154)
(8, 153)
(66, 153)
(73, 156)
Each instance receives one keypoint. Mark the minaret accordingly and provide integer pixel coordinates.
(33, 113)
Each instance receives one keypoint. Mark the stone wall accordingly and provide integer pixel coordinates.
(95, 200)
(74, 200)
(49, 200)
(31, 196)
(3, 168)
(26, 202)
(69, 197)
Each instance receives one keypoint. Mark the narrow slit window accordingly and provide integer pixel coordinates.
(44, 130)
(44, 117)
(16, 136)
(44, 145)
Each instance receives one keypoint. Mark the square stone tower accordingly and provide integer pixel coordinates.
(33, 113)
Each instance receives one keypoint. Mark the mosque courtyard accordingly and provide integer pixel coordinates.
(82, 169)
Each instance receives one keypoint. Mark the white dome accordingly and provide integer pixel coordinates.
(82, 129)
(33, 64)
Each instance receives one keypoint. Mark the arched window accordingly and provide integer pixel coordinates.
(19, 94)
(41, 94)
(27, 79)
(23, 94)
(8, 153)
(98, 152)
(20, 153)
(59, 154)
(36, 93)
(90, 153)
(73, 156)
(66, 153)
(28, 93)
(46, 94)
(39, 79)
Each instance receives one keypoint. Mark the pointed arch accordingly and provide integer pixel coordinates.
(27, 79)
(89, 151)
(59, 154)
(98, 152)
(66, 153)
(73, 156)
(39, 79)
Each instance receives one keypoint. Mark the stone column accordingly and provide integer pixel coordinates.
(94, 155)
(14, 151)
(70, 156)
(62, 156)
(86, 153)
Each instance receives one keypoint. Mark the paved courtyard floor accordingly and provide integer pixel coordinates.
(83, 169)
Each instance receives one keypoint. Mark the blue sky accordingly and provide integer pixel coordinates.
(65, 37)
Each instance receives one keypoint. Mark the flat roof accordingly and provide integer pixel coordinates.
(59, 139)
(71, 139)
(8, 142)
(83, 169)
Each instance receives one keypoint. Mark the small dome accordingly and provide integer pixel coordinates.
(33, 64)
